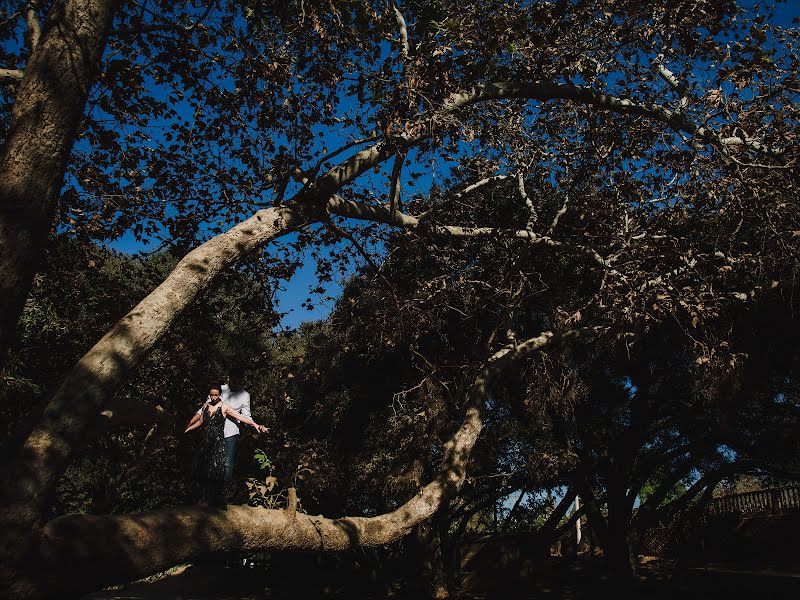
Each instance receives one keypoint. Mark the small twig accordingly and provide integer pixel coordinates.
(428, 213)
(169, 26)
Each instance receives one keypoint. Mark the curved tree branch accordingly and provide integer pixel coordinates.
(105, 367)
(112, 549)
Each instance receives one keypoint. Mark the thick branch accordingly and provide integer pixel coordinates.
(584, 95)
(394, 188)
(513, 510)
(532, 216)
(569, 523)
(674, 83)
(559, 214)
(554, 518)
(313, 172)
(710, 478)
(112, 549)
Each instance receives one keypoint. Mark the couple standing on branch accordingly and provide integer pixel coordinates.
(218, 420)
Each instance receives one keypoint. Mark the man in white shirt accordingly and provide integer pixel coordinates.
(235, 396)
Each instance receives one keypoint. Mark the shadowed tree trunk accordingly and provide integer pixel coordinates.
(48, 107)
(429, 556)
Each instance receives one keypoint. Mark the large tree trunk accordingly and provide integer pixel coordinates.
(620, 549)
(48, 107)
(618, 552)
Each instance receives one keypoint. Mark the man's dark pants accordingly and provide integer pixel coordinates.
(230, 452)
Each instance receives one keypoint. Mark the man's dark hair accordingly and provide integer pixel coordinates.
(237, 372)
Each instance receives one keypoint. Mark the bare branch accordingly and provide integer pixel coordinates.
(11, 74)
(586, 95)
(674, 83)
(559, 214)
(394, 188)
(168, 26)
(382, 214)
(403, 33)
(524, 196)
(34, 27)
(570, 522)
(339, 150)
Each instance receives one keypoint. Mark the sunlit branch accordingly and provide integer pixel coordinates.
(402, 31)
(382, 214)
(674, 83)
(11, 74)
(585, 95)
(313, 172)
(528, 203)
(34, 27)
(559, 214)
(35, 33)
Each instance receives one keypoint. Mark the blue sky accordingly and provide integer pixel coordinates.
(293, 293)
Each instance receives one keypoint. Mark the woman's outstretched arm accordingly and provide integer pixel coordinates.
(195, 422)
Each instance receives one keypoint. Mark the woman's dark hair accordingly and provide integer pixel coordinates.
(214, 385)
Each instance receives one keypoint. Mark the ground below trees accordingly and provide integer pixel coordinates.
(581, 581)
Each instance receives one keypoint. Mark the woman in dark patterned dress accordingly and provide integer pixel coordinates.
(207, 483)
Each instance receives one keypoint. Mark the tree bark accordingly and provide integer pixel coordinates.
(47, 110)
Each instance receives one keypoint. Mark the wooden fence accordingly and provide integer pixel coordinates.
(771, 500)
